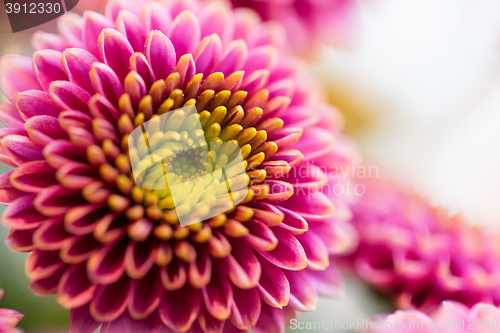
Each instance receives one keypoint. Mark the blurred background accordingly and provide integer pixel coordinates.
(420, 90)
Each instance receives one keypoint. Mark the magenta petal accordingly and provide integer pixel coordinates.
(262, 57)
(316, 250)
(108, 264)
(178, 315)
(139, 63)
(106, 82)
(303, 294)
(21, 149)
(200, 270)
(246, 308)
(242, 266)
(278, 190)
(273, 287)
(315, 142)
(207, 323)
(115, 51)
(44, 129)
(145, 295)
(8, 191)
(184, 33)
(77, 175)
(16, 75)
(293, 222)
(10, 116)
(93, 24)
(68, 119)
(208, 54)
(288, 254)
(47, 67)
(77, 64)
(110, 301)
(271, 320)
(186, 69)
(70, 26)
(21, 214)
(131, 27)
(233, 58)
(135, 87)
(327, 282)
(60, 152)
(69, 96)
(101, 108)
(318, 207)
(80, 321)
(34, 103)
(156, 17)
(161, 54)
(75, 289)
(46, 41)
(217, 18)
(33, 176)
(260, 236)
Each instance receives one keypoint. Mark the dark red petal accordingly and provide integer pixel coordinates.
(218, 295)
(51, 235)
(78, 249)
(178, 309)
(107, 265)
(21, 214)
(20, 240)
(200, 270)
(209, 324)
(47, 285)
(289, 254)
(77, 175)
(173, 276)
(145, 294)
(140, 258)
(75, 289)
(81, 220)
(126, 324)
(56, 199)
(80, 321)
(246, 308)
(42, 264)
(110, 301)
(273, 287)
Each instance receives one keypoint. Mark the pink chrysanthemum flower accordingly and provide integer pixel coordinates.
(9, 319)
(115, 253)
(309, 23)
(448, 317)
(420, 255)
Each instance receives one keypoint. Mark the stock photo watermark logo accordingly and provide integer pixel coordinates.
(26, 14)
(197, 178)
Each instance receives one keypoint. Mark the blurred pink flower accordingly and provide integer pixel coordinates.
(309, 23)
(418, 254)
(110, 250)
(448, 317)
(9, 319)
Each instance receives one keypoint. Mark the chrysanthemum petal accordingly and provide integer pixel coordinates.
(115, 51)
(93, 24)
(160, 54)
(69, 96)
(246, 308)
(131, 27)
(288, 254)
(271, 320)
(145, 295)
(77, 64)
(184, 32)
(178, 309)
(16, 75)
(110, 301)
(47, 67)
(242, 266)
(75, 289)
